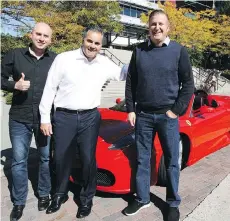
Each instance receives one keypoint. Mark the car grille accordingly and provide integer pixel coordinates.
(105, 178)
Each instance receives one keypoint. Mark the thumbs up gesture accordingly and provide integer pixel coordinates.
(21, 84)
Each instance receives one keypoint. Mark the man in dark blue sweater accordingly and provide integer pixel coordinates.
(159, 86)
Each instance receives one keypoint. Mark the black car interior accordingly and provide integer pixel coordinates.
(201, 99)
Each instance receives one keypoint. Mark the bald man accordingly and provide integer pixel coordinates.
(24, 72)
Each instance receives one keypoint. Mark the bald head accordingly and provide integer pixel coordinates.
(43, 26)
(41, 36)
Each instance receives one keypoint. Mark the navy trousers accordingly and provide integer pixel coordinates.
(71, 131)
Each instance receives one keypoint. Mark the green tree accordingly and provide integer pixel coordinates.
(67, 18)
(10, 42)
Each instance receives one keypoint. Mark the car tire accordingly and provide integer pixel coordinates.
(162, 176)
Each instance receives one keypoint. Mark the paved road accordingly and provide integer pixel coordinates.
(196, 183)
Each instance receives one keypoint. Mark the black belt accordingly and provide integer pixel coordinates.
(74, 111)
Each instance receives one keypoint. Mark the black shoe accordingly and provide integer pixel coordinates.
(43, 203)
(16, 212)
(56, 203)
(135, 207)
(173, 214)
(84, 210)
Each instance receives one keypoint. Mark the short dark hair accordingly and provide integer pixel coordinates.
(157, 11)
(92, 28)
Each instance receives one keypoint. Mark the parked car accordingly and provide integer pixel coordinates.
(204, 129)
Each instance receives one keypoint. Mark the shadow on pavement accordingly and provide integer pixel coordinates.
(160, 204)
(6, 159)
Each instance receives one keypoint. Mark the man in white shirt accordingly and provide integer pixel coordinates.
(74, 86)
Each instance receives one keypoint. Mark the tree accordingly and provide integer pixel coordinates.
(67, 18)
(223, 7)
(199, 31)
(9, 42)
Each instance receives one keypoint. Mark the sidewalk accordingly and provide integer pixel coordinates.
(216, 207)
(204, 189)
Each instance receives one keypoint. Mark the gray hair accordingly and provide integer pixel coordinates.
(92, 28)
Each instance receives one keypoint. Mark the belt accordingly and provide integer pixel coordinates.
(75, 111)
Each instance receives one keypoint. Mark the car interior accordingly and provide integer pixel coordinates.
(203, 99)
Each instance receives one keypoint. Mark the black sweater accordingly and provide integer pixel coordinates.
(159, 79)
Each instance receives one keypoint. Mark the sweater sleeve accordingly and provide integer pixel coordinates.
(131, 84)
(186, 83)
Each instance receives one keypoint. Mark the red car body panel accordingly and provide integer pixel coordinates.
(206, 130)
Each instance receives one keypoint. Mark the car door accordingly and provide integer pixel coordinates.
(207, 129)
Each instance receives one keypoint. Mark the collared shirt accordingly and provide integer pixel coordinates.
(33, 53)
(75, 83)
(165, 42)
(25, 103)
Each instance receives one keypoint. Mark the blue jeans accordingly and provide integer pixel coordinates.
(168, 131)
(21, 136)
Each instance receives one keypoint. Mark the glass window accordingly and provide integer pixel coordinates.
(139, 13)
(126, 10)
(133, 12)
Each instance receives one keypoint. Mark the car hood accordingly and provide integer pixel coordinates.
(113, 126)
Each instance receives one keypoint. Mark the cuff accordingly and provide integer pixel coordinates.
(11, 85)
(175, 110)
(45, 119)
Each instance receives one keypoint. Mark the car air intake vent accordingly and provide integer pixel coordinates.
(105, 178)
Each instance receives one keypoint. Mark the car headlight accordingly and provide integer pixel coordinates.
(124, 142)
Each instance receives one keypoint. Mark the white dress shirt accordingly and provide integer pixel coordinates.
(75, 83)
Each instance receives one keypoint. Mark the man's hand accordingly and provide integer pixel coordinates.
(22, 85)
(46, 129)
(170, 114)
(132, 118)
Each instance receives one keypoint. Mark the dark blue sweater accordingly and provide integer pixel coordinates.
(159, 79)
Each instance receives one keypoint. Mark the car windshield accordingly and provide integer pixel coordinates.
(119, 107)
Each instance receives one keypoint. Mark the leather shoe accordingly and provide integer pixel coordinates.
(16, 212)
(84, 210)
(43, 203)
(56, 203)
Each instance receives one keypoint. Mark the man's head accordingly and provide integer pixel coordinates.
(92, 42)
(158, 26)
(41, 36)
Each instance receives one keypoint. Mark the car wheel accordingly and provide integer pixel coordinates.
(162, 177)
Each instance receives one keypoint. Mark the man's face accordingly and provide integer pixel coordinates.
(158, 28)
(41, 36)
(92, 44)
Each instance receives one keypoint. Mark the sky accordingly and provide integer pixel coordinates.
(11, 26)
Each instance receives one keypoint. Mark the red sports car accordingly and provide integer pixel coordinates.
(204, 128)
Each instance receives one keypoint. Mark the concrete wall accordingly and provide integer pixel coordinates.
(123, 55)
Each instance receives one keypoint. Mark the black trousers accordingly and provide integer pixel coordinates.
(71, 131)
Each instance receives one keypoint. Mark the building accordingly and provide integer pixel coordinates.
(134, 30)
(196, 5)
